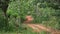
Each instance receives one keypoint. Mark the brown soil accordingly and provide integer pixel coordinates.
(39, 27)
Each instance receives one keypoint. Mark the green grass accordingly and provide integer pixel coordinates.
(25, 31)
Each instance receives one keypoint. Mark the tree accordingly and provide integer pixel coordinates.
(4, 6)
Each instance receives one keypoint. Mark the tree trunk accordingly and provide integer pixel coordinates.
(4, 7)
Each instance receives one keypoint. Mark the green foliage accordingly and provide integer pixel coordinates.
(46, 12)
(12, 9)
(1, 20)
(44, 32)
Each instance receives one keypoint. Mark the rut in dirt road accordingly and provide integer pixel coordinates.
(34, 28)
(38, 28)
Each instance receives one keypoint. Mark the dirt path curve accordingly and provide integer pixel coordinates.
(39, 27)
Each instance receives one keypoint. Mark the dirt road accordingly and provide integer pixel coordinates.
(39, 27)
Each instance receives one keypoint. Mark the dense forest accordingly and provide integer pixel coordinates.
(13, 13)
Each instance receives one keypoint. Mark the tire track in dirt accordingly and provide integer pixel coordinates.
(38, 28)
(34, 28)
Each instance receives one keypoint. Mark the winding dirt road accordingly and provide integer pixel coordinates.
(39, 27)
